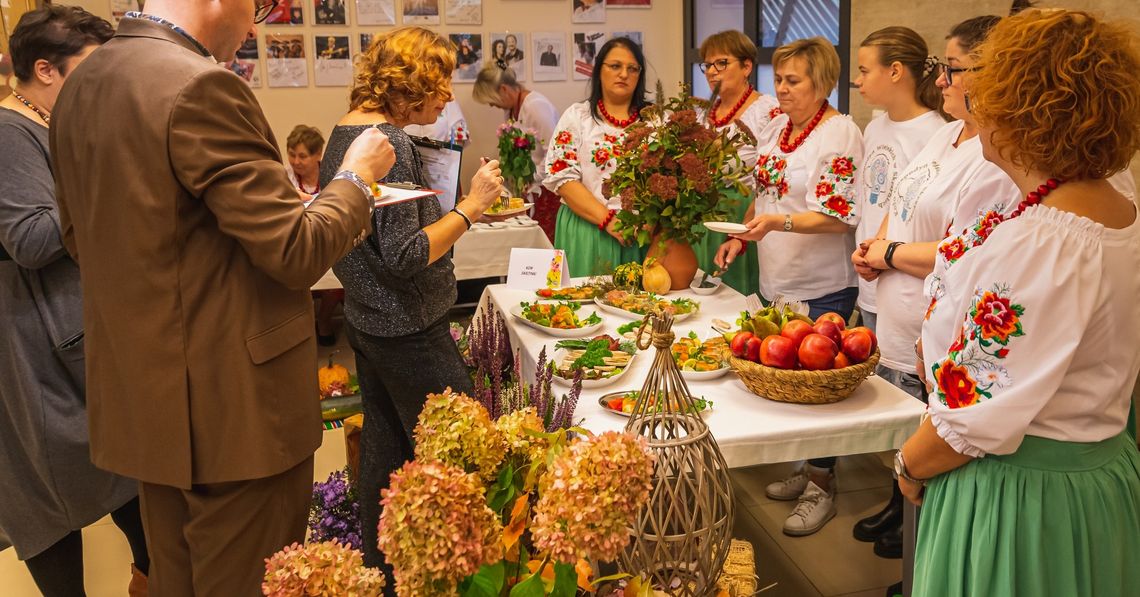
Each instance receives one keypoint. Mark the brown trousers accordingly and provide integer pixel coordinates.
(213, 539)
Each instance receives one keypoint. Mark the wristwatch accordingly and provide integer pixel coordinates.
(788, 223)
(900, 470)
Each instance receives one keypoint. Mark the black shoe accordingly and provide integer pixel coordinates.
(895, 590)
(890, 544)
(873, 527)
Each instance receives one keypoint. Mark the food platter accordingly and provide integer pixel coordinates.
(608, 370)
(637, 304)
(608, 403)
(590, 320)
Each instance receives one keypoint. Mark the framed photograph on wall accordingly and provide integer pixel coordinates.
(586, 46)
(365, 41)
(634, 35)
(375, 12)
(629, 3)
(509, 49)
(333, 65)
(468, 56)
(245, 64)
(330, 12)
(588, 11)
(285, 63)
(464, 12)
(549, 51)
(421, 12)
(287, 12)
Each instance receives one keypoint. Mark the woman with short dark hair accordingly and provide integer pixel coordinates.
(49, 488)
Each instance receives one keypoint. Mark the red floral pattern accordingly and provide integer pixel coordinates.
(840, 205)
(956, 387)
(973, 368)
(835, 189)
(995, 318)
(770, 174)
(952, 248)
(563, 138)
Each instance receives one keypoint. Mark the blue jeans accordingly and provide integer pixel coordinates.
(843, 303)
(907, 382)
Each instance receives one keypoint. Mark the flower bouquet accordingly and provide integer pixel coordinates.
(327, 569)
(515, 149)
(674, 172)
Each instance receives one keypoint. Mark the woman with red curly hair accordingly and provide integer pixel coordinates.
(1032, 485)
(399, 282)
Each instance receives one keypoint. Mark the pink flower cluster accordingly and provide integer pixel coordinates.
(455, 429)
(436, 528)
(327, 568)
(590, 496)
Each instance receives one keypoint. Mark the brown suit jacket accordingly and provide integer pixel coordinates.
(196, 258)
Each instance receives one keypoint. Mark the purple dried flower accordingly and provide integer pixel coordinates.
(333, 513)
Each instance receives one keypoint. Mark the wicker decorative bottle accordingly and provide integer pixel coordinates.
(681, 539)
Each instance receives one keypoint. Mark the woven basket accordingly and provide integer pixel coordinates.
(803, 387)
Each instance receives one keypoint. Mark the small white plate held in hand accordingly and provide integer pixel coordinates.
(726, 227)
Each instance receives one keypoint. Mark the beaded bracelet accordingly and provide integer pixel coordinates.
(606, 221)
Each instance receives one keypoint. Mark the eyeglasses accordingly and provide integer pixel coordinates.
(950, 70)
(617, 67)
(262, 9)
(716, 67)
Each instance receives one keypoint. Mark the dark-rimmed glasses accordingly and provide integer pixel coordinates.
(262, 9)
(717, 66)
(950, 70)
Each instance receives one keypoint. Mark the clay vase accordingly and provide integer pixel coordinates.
(678, 259)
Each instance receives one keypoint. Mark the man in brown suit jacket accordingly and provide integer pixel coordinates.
(196, 257)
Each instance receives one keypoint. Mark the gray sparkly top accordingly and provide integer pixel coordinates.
(390, 288)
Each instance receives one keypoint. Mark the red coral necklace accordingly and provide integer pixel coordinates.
(719, 122)
(787, 147)
(621, 124)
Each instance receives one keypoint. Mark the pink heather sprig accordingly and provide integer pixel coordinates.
(436, 528)
(590, 496)
(325, 569)
(456, 430)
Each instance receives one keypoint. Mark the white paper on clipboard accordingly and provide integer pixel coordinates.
(441, 168)
(398, 194)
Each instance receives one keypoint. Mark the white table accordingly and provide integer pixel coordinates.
(483, 252)
(749, 429)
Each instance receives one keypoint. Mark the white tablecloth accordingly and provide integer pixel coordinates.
(483, 252)
(749, 429)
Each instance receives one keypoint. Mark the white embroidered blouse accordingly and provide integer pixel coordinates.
(583, 149)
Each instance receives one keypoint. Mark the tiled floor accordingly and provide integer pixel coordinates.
(829, 563)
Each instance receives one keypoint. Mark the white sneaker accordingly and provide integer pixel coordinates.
(788, 489)
(814, 509)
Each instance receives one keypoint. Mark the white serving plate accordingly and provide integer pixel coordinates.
(631, 315)
(726, 227)
(695, 284)
(604, 399)
(516, 311)
(560, 353)
(509, 212)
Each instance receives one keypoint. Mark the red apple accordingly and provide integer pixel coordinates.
(874, 338)
(857, 345)
(779, 352)
(738, 342)
(817, 352)
(835, 318)
(796, 330)
(829, 329)
(752, 349)
(842, 361)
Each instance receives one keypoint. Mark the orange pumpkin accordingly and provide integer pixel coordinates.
(331, 374)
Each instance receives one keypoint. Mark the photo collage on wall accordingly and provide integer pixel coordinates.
(539, 56)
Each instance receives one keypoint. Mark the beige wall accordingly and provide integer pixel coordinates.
(661, 28)
(934, 18)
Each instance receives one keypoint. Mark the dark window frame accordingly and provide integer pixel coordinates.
(751, 28)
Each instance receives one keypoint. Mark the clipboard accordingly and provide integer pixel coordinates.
(441, 161)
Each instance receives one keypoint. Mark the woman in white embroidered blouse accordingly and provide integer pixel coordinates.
(1032, 351)
(727, 60)
(581, 157)
(802, 221)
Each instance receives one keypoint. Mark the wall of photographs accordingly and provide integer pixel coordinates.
(300, 64)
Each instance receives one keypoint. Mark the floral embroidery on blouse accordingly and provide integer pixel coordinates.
(605, 151)
(835, 189)
(770, 175)
(973, 369)
(564, 154)
(563, 138)
(774, 112)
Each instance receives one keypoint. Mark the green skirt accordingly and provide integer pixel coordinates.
(589, 251)
(1053, 519)
(744, 273)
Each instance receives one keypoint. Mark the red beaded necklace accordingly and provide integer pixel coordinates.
(787, 147)
(301, 187)
(1032, 198)
(621, 124)
(719, 122)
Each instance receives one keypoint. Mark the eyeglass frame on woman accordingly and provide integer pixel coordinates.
(617, 67)
(262, 9)
(949, 71)
(717, 66)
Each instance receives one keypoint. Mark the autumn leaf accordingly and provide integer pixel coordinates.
(519, 515)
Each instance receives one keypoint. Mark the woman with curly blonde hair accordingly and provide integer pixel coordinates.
(399, 282)
(1032, 485)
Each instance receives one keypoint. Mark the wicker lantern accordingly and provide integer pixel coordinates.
(681, 539)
